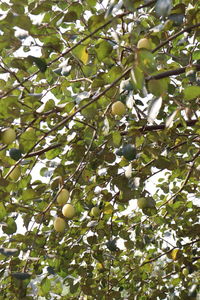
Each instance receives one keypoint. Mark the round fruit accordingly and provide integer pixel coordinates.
(16, 173)
(118, 108)
(144, 43)
(95, 212)
(8, 136)
(185, 271)
(146, 203)
(59, 224)
(119, 152)
(15, 153)
(63, 197)
(129, 152)
(68, 211)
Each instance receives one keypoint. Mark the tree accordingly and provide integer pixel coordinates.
(64, 65)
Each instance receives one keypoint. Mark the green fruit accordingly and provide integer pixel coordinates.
(129, 152)
(68, 211)
(8, 136)
(144, 43)
(59, 224)
(119, 152)
(16, 173)
(95, 212)
(146, 202)
(15, 153)
(111, 245)
(118, 108)
(63, 197)
(185, 271)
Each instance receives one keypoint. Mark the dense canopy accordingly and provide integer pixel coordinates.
(99, 149)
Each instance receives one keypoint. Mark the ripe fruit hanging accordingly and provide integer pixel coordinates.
(63, 197)
(59, 224)
(118, 108)
(144, 43)
(68, 211)
(16, 173)
(8, 136)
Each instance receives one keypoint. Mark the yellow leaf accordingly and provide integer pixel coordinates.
(84, 56)
(176, 254)
(108, 209)
(81, 53)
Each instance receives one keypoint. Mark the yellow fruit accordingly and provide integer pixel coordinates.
(59, 224)
(16, 173)
(95, 212)
(63, 197)
(118, 108)
(144, 43)
(68, 211)
(8, 136)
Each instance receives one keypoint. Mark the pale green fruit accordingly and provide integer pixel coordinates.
(185, 271)
(95, 212)
(16, 173)
(8, 136)
(59, 224)
(145, 202)
(63, 197)
(118, 108)
(68, 211)
(144, 43)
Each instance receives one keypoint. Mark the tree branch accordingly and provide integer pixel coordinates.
(171, 73)
(189, 28)
(160, 127)
(40, 152)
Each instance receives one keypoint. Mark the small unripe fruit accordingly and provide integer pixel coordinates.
(129, 152)
(146, 202)
(8, 136)
(63, 197)
(95, 212)
(16, 173)
(144, 43)
(15, 153)
(59, 224)
(185, 271)
(118, 108)
(68, 211)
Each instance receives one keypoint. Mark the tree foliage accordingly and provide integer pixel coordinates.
(63, 64)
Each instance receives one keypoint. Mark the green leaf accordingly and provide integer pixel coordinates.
(95, 21)
(158, 87)
(40, 63)
(104, 49)
(146, 61)
(137, 78)
(45, 286)
(10, 227)
(3, 212)
(196, 55)
(191, 92)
